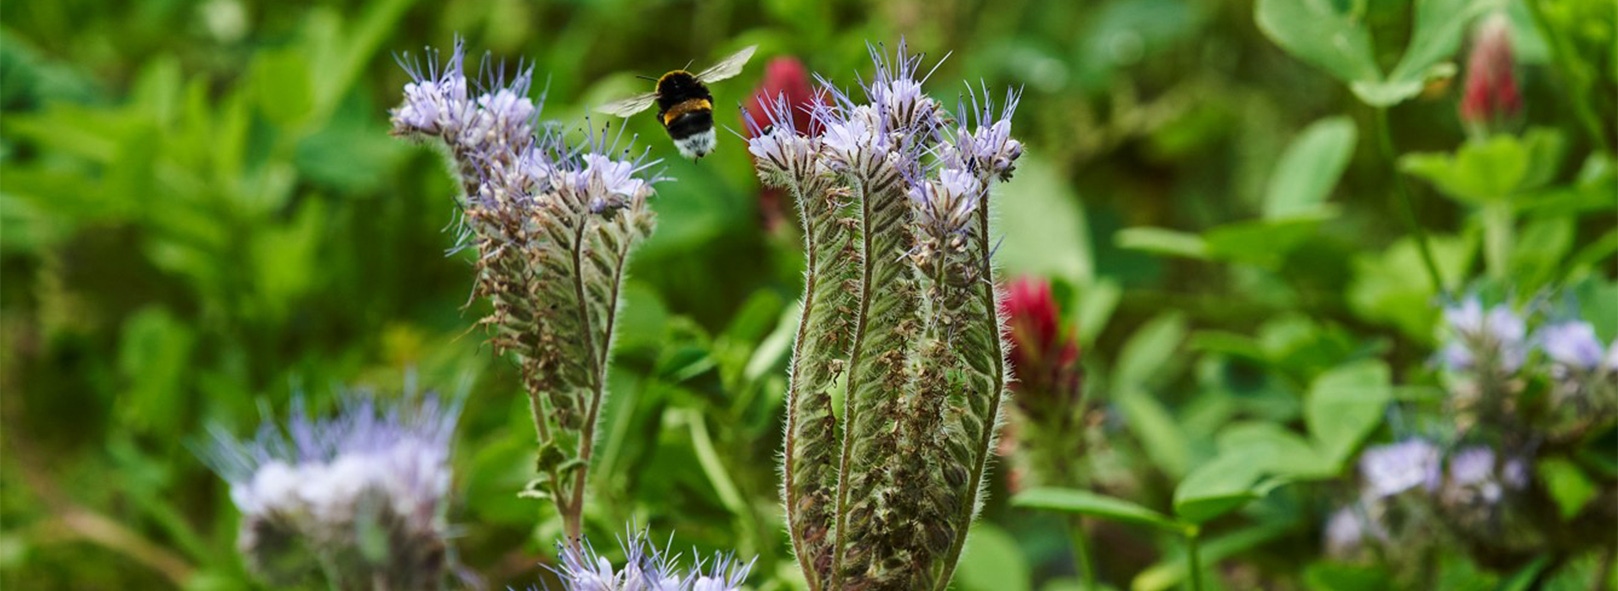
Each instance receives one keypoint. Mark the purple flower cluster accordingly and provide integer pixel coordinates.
(646, 568)
(1479, 340)
(899, 134)
(501, 160)
(1499, 336)
(1468, 487)
(308, 490)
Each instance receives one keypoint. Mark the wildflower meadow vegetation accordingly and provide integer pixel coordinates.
(989, 296)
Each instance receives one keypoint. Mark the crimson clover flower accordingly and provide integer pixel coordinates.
(1490, 94)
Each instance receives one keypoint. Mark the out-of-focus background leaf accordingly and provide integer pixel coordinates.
(202, 215)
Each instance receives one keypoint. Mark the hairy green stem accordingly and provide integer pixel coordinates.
(989, 304)
(817, 354)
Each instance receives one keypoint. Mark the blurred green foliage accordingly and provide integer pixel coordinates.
(201, 214)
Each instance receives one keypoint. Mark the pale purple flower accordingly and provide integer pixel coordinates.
(323, 481)
(982, 142)
(1394, 468)
(783, 154)
(1572, 344)
(895, 93)
(1345, 532)
(603, 184)
(646, 568)
(436, 98)
(947, 203)
(1474, 468)
(1496, 337)
(852, 141)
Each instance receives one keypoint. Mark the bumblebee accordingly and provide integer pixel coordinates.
(684, 105)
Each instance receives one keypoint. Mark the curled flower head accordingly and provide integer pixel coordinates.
(314, 487)
(435, 102)
(946, 204)
(1491, 94)
(1495, 340)
(982, 143)
(896, 92)
(781, 152)
(1394, 468)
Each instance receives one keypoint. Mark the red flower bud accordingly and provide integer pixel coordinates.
(1490, 95)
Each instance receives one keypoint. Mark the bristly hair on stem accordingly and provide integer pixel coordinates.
(899, 316)
(553, 225)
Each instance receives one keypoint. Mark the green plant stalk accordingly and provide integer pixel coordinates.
(1193, 560)
(1562, 56)
(1402, 193)
(1081, 551)
(573, 510)
(1498, 234)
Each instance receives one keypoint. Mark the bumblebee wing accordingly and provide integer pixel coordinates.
(729, 66)
(628, 106)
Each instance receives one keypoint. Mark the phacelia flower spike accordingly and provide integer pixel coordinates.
(553, 225)
(899, 319)
(359, 496)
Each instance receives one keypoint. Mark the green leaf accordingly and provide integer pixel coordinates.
(1345, 405)
(1487, 171)
(1166, 444)
(1568, 485)
(991, 561)
(1094, 303)
(1264, 243)
(1088, 503)
(154, 358)
(1310, 167)
(281, 81)
(1321, 34)
(1162, 241)
(1044, 225)
(1391, 288)
(1440, 25)
(1335, 576)
(1526, 576)
(1276, 451)
(1149, 350)
(1171, 569)
(1216, 488)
